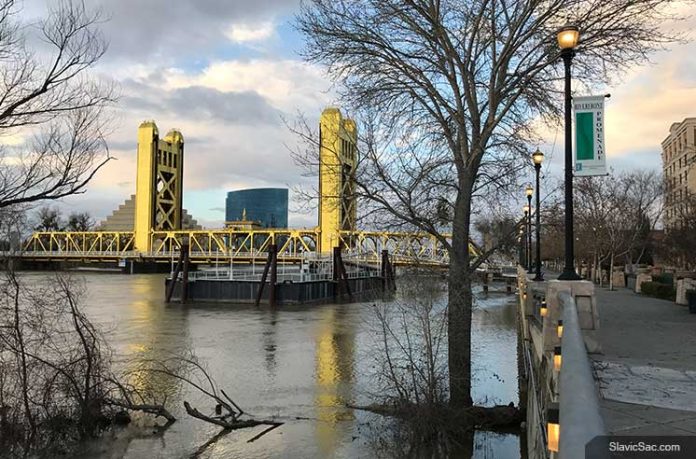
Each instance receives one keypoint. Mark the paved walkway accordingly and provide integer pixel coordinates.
(647, 372)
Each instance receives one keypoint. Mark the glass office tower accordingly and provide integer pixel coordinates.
(267, 206)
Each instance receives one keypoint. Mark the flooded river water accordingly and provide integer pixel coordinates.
(301, 363)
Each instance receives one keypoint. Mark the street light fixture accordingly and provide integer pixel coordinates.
(568, 38)
(538, 158)
(529, 191)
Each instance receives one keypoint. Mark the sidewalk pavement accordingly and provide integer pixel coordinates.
(647, 371)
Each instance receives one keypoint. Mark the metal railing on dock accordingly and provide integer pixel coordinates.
(245, 275)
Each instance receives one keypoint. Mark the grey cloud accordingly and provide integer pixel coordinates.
(217, 209)
(141, 103)
(164, 29)
(235, 107)
(126, 145)
(199, 102)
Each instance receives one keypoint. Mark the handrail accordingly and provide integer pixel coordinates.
(580, 417)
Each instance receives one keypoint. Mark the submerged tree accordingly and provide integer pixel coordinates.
(449, 92)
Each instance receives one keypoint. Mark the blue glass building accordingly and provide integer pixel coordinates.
(267, 206)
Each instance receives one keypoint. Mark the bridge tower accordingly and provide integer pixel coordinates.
(159, 183)
(338, 157)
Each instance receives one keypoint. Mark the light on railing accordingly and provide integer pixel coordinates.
(553, 427)
(543, 309)
(557, 358)
(560, 329)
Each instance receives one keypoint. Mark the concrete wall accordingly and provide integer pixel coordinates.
(682, 286)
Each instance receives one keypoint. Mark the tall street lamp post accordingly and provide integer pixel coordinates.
(567, 40)
(538, 158)
(521, 239)
(529, 191)
(527, 248)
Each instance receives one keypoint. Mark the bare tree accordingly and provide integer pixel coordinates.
(499, 231)
(56, 380)
(80, 221)
(48, 98)
(449, 91)
(615, 215)
(48, 219)
(679, 244)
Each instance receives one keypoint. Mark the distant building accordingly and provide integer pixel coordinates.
(679, 166)
(123, 218)
(262, 207)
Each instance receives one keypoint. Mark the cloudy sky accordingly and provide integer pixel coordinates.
(226, 72)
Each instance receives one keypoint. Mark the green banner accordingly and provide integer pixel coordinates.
(584, 135)
(590, 155)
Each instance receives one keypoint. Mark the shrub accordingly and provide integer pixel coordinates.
(658, 290)
(666, 278)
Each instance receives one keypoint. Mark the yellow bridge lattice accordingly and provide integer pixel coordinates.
(206, 246)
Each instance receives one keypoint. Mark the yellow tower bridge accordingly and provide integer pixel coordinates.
(152, 226)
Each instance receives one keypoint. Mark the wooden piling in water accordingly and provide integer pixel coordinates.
(383, 269)
(340, 276)
(184, 277)
(175, 277)
(269, 261)
(274, 275)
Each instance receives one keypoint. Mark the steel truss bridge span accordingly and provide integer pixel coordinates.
(223, 245)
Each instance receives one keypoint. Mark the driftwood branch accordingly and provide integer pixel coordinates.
(157, 410)
(241, 411)
(229, 425)
(261, 434)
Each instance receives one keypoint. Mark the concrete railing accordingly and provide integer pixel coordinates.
(569, 392)
(580, 417)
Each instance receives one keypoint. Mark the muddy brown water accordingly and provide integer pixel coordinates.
(303, 362)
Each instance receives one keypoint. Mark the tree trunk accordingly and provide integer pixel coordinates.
(611, 271)
(460, 301)
(594, 267)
